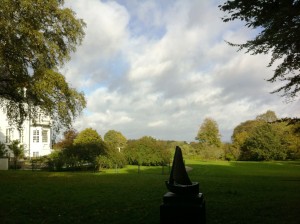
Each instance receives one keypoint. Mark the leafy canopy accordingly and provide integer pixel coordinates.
(279, 22)
(115, 138)
(37, 38)
(264, 143)
(67, 141)
(147, 151)
(267, 138)
(269, 116)
(3, 150)
(88, 136)
(209, 134)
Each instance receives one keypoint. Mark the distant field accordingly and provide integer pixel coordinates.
(235, 192)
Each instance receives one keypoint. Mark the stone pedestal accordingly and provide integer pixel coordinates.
(182, 209)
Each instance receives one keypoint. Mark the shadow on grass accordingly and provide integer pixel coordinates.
(235, 192)
(249, 192)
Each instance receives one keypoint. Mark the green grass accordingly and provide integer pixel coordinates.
(235, 192)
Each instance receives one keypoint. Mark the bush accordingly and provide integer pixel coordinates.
(3, 150)
(56, 161)
(147, 151)
(104, 162)
(231, 152)
(208, 152)
(110, 160)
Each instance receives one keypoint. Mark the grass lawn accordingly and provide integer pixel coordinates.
(235, 192)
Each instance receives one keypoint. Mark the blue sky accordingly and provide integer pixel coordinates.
(159, 68)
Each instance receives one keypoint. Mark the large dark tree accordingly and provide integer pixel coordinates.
(264, 143)
(267, 137)
(279, 24)
(36, 38)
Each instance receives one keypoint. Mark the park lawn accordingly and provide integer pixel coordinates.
(235, 192)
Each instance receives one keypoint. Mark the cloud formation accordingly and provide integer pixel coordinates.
(159, 68)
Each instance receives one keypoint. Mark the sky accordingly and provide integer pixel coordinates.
(159, 68)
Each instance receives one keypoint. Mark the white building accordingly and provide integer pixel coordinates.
(36, 138)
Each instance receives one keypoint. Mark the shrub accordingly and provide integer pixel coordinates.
(103, 162)
(3, 150)
(56, 161)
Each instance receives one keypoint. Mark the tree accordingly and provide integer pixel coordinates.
(267, 137)
(115, 139)
(209, 134)
(242, 132)
(264, 143)
(269, 116)
(279, 25)
(88, 136)
(231, 152)
(87, 146)
(294, 141)
(290, 137)
(37, 38)
(17, 150)
(147, 151)
(115, 142)
(68, 139)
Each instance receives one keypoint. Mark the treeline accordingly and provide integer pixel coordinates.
(87, 150)
(264, 138)
(267, 137)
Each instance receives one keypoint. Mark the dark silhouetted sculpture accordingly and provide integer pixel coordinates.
(184, 203)
(179, 182)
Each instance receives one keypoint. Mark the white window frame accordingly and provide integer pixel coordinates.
(44, 136)
(35, 154)
(36, 136)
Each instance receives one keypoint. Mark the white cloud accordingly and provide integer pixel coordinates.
(159, 68)
(106, 35)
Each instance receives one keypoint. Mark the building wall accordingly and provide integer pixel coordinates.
(36, 138)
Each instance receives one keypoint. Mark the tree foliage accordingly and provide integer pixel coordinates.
(88, 136)
(67, 141)
(267, 139)
(269, 116)
(264, 143)
(279, 25)
(36, 38)
(147, 151)
(85, 150)
(242, 132)
(209, 134)
(116, 139)
(3, 150)
(18, 151)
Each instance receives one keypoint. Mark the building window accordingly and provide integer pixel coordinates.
(21, 132)
(9, 134)
(45, 135)
(35, 154)
(36, 136)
